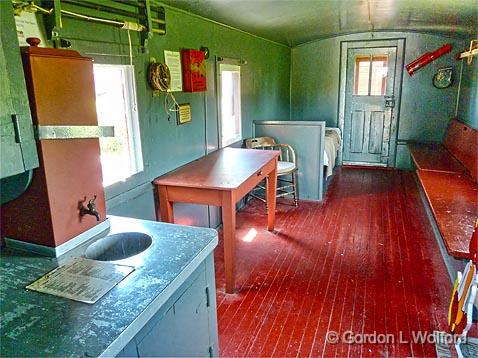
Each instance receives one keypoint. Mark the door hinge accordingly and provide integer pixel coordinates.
(211, 353)
(208, 298)
(16, 128)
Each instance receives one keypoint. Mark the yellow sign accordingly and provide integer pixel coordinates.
(184, 113)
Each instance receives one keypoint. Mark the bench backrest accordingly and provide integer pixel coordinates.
(462, 142)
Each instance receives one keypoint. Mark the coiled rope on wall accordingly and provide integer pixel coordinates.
(159, 76)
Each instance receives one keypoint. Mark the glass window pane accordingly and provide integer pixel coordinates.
(362, 74)
(379, 75)
(121, 155)
(230, 104)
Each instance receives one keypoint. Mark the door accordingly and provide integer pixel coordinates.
(369, 106)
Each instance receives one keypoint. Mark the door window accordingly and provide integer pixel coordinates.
(370, 78)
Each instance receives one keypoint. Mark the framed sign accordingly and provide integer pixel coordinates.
(27, 26)
(184, 113)
(172, 59)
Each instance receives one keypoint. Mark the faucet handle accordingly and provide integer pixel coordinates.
(90, 208)
(92, 203)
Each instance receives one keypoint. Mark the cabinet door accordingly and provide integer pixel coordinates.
(17, 141)
(184, 330)
(192, 321)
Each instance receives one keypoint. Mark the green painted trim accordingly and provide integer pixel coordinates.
(457, 103)
(291, 67)
(184, 12)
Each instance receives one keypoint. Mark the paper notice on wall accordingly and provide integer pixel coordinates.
(172, 59)
(27, 26)
(81, 279)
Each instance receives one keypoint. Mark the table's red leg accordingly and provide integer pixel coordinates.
(229, 236)
(271, 198)
(165, 206)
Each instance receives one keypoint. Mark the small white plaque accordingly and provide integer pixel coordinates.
(81, 279)
(27, 26)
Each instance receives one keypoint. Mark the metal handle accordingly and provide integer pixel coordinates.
(16, 128)
(389, 101)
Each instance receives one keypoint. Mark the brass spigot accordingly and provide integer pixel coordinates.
(90, 209)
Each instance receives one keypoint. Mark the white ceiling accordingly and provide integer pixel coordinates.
(293, 22)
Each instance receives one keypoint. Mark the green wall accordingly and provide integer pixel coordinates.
(265, 96)
(467, 109)
(424, 111)
(278, 83)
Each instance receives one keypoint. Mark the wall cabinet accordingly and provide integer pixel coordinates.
(17, 143)
(186, 326)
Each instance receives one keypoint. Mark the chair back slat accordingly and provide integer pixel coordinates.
(252, 143)
(287, 153)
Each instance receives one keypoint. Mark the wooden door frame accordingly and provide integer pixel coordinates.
(399, 43)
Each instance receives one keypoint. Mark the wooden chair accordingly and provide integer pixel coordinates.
(286, 166)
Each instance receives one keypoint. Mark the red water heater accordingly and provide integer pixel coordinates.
(194, 70)
(426, 58)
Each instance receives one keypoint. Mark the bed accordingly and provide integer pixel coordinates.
(317, 148)
(332, 143)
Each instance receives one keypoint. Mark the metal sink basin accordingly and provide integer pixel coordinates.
(118, 246)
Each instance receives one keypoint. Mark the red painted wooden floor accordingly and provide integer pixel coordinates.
(365, 260)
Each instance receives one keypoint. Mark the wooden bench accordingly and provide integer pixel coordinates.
(453, 201)
(448, 174)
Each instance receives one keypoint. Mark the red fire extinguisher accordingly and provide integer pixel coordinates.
(426, 59)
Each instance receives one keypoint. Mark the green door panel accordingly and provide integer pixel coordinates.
(368, 121)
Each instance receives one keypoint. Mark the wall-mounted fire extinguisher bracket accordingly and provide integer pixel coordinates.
(426, 58)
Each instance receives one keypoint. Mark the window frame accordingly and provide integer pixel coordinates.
(230, 66)
(370, 59)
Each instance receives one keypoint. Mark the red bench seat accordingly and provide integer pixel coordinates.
(434, 157)
(453, 199)
(448, 173)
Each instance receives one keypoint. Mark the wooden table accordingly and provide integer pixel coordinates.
(220, 179)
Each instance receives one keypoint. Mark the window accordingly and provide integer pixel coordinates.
(121, 155)
(230, 126)
(370, 75)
